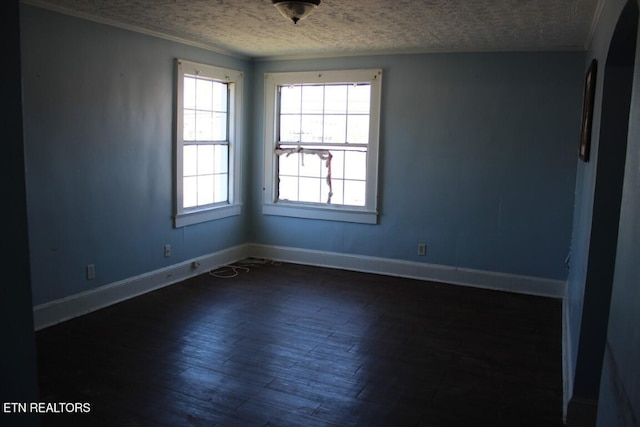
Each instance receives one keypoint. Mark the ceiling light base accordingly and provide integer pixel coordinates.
(295, 10)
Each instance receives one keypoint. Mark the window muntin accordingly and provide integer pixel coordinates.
(207, 141)
(322, 145)
(206, 108)
(323, 132)
(205, 145)
(205, 175)
(331, 113)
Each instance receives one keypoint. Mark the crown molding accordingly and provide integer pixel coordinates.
(597, 14)
(113, 23)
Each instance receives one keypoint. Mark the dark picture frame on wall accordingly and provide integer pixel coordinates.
(587, 111)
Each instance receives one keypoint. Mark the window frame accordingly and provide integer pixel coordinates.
(233, 206)
(367, 214)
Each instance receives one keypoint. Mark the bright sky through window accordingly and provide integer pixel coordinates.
(206, 150)
(208, 142)
(323, 138)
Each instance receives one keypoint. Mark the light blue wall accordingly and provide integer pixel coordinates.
(584, 194)
(98, 117)
(619, 399)
(586, 317)
(478, 158)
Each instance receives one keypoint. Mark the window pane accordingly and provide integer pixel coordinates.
(190, 160)
(359, 99)
(204, 94)
(219, 123)
(205, 190)
(312, 99)
(189, 126)
(189, 90)
(358, 129)
(355, 165)
(204, 126)
(221, 158)
(288, 164)
(337, 164)
(290, 128)
(206, 178)
(310, 165)
(219, 96)
(335, 128)
(189, 192)
(324, 192)
(205, 159)
(221, 188)
(288, 189)
(310, 190)
(338, 192)
(335, 99)
(311, 129)
(354, 193)
(290, 99)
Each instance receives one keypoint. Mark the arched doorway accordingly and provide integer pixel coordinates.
(611, 156)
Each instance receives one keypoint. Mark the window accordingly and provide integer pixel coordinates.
(321, 136)
(208, 107)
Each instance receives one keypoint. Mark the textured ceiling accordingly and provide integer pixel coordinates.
(255, 28)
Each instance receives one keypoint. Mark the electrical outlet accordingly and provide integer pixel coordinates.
(91, 271)
(167, 251)
(422, 249)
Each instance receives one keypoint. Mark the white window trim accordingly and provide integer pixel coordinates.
(189, 216)
(367, 214)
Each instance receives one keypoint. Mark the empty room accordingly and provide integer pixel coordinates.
(321, 213)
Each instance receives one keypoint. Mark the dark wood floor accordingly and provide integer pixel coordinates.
(290, 345)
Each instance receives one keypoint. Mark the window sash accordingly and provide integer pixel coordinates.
(337, 170)
(334, 112)
(205, 175)
(272, 203)
(205, 189)
(316, 111)
(220, 108)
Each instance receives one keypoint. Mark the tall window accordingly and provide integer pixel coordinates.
(322, 144)
(207, 142)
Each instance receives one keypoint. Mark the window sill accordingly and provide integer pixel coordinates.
(361, 216)
(196, 217)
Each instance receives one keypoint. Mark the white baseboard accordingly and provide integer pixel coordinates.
(567, 365)
(76, 305)
(57, 311)
(414, 270)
